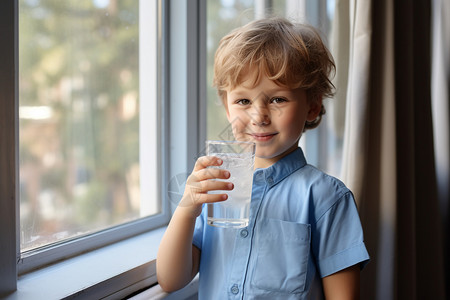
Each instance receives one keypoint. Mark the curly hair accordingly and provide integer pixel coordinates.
(291, 54)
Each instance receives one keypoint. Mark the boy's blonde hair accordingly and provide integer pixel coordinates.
(292, 55)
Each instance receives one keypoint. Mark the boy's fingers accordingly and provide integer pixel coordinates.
(214, 185)
(209, 185)
(197, 199)
(211, 173)
(209, 198)
(206, 161)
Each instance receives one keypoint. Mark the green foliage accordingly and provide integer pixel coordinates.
(81, 60)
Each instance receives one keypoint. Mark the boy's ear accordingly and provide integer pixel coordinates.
(314, 109)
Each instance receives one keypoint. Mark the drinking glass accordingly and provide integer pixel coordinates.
(239, 159)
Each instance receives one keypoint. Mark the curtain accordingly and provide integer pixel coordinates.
(440, 91)
(388, 157)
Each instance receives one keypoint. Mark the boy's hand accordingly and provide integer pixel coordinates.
(199, 184)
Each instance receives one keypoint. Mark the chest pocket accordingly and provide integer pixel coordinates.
(282, 256)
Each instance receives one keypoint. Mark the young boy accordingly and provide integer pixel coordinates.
(304, 239)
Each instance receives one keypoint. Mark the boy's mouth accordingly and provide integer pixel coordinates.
(263, 137)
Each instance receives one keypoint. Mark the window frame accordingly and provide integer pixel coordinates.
(30, 260)
(8, 150)
(183, 121)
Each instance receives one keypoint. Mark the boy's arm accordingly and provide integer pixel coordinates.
(343, 284)
(178, 260)
(175, 265)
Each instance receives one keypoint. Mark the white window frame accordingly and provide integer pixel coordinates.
(125, 259)
(33, 259)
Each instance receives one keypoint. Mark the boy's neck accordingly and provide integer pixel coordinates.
(262, 163)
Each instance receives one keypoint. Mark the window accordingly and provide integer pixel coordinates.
(87, 118)
(223, 16)
(88, 122)
(81, 137)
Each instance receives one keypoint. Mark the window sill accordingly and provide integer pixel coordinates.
(112, 272)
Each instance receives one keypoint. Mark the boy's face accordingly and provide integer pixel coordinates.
(270, 115)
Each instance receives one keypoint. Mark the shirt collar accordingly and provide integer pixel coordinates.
(284, 167)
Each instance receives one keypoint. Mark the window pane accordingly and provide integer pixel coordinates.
(80, 101)
(222, 17)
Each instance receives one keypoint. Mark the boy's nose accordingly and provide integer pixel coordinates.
(260, 116)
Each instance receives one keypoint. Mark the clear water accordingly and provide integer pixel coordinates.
(235, 211)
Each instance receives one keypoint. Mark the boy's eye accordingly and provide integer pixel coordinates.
(277, 100)
(243, 102)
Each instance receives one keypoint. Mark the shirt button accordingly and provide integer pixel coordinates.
(270, 180)
(235, 289)
(244, 233)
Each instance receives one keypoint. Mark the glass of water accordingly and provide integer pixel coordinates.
(239, 159)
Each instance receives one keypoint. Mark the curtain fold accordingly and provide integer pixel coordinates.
(388, 148)
(440, 91)
(357, 88)
(340, 41)
(419, 244)
(370, 133)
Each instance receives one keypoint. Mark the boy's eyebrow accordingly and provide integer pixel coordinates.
(236, 92)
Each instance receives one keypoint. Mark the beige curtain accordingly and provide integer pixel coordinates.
(388, 146)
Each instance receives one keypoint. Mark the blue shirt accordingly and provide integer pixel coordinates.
(303, 226)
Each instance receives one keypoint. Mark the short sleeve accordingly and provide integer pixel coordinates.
(337, 237)
(197, 239)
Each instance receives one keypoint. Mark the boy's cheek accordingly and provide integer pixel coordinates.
(239, 134)
(237, 122)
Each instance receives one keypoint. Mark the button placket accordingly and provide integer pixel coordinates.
(243, 239)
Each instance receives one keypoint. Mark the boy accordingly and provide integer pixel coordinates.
(304, 239)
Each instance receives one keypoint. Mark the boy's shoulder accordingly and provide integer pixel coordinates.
(317, 178)
(323, 190)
